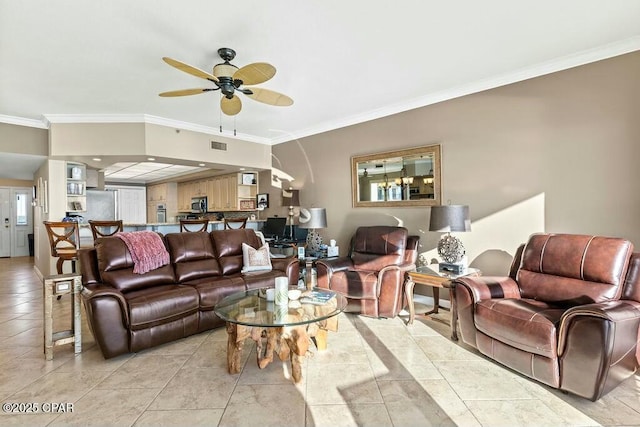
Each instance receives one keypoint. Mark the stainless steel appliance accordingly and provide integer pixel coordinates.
(161, 213)
(198, 205)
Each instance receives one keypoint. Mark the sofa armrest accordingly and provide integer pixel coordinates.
(290, 266)
(618, 312)
(325, 268)
(96, 291)
(488, 287)
(108, 318)
(601, 338)
(335, 264)
(283, 264)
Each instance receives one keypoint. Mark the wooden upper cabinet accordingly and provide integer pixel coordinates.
(223, 193)
(157, 192)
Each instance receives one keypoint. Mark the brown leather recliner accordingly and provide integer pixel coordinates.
(372, 275)
(568, 315)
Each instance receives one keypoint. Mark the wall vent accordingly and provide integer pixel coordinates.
(218, 146)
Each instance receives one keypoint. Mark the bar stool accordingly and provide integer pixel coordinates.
(105, 228)
(64, 239)
(242, 223)
(190, 225)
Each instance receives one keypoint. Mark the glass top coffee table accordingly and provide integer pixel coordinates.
(288, 328)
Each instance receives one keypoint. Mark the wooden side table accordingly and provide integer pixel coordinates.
(432, 276)
(56, 286)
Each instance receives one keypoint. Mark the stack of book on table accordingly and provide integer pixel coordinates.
(317, 297)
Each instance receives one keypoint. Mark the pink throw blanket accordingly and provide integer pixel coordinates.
(147, 250)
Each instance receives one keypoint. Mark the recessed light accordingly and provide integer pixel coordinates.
(151, 159)
(243, 169)
(97, 159)
(200, 164)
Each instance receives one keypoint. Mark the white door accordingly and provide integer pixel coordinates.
(5, 222)
(21, 221)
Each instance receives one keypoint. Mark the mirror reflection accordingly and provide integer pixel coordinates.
(397, 178)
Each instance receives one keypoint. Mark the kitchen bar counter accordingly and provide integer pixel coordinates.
(86, 239)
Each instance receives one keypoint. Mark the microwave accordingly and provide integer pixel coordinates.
(198, 205)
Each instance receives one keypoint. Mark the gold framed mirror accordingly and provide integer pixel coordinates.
(402, 178)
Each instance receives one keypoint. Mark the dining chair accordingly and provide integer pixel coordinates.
(235, 223)
(64, 240)
(105, 228)
(194, 225)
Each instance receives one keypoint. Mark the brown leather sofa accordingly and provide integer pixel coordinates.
(568, 315)
(372, 275)
(129, 312)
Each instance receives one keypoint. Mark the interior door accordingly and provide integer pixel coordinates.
(21, 221)
(5, 222)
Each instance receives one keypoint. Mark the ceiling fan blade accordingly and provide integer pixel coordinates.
(232, 106)
(189, 69)
(184, 92)
(256, 73)
(270, 97)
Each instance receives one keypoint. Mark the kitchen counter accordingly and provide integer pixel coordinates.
(86, 238)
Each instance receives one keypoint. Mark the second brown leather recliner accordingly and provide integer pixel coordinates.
(372, 275)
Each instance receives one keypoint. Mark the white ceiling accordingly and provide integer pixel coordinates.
(342, 62)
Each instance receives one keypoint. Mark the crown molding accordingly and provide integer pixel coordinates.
(559, 64)
(21, 121)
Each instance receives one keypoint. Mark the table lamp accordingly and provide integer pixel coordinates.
(313, 218)
(450, 218)
(291, 198)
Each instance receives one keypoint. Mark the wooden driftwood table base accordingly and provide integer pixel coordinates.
(289, 342)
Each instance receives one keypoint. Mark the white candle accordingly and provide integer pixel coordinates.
(282, 291)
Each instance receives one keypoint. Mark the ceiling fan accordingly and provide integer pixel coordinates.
(230, 79)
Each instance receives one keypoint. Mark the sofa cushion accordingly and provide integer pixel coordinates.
(161, 304)
(527, 325)
(228, 247)
(116, 267)
(192, 255)
(212, 289)
(573, 269)
(255, 259)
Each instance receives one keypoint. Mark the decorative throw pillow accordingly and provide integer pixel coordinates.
(255, 259)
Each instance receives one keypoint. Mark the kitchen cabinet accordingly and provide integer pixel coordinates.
(157, 192)
(184, 196)
(76, 175)
(224, 193)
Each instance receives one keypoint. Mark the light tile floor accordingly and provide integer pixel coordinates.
(375, 373)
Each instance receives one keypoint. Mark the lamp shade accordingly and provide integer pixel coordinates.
(291, 197)
(450, 218)
(313, 218)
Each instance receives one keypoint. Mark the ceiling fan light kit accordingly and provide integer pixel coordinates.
(230, 79)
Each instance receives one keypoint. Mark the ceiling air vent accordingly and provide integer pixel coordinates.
(218, 146)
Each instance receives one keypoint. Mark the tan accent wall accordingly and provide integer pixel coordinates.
(97, 139)
(24, 140)
(557, 153)
(163, 141)
(143, 139)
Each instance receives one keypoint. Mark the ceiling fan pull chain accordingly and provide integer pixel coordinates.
(234, 125)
